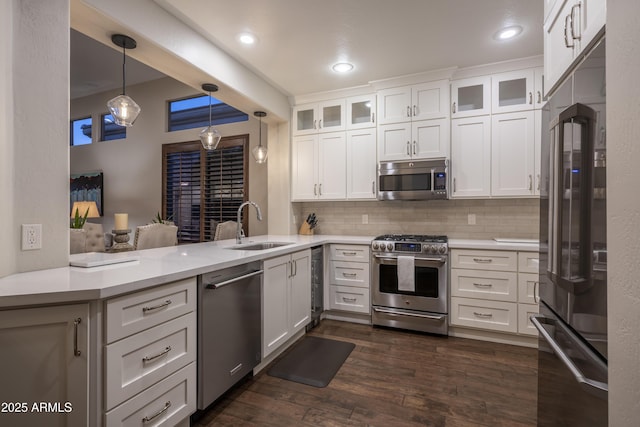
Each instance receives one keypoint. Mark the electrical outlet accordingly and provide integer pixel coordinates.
(31, 237)
(471, 219)
(365, 218)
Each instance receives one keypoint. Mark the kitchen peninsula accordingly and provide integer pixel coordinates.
(112, 317)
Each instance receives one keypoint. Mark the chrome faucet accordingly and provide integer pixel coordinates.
(239, 231)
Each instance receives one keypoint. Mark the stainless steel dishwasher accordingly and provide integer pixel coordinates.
(229, 328)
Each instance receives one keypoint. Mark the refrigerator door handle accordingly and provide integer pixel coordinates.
(596, 388)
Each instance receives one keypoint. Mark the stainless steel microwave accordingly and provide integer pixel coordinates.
(413, 180)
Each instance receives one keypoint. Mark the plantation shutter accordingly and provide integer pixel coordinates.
(203, 188)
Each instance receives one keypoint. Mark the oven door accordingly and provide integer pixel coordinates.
(430, 284)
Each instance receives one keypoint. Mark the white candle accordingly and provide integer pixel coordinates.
(121, 221)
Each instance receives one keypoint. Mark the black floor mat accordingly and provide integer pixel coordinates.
(313, 361)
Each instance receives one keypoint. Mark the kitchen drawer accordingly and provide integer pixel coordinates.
(129, 314)
(350, 253)
(524, 324)
(349, 298)
(527, 287)
(177, 393)
(491, 315)
(484, 260)
(491, 285)
(350, 274)
(528, 262)
(170, 346)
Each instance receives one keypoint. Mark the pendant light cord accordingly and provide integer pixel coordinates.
(124, 64)
(209, 108)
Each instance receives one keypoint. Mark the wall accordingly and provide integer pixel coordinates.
(623, 205)
(133, 166)
(514, 218)
(33, 141)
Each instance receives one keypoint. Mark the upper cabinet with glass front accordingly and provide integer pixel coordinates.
(327, 116)
(471, 97)
(361, 112)
(516, 91)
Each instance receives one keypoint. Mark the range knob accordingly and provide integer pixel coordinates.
(375, 245)
(389, 246)
(442, 249)
(433, 249)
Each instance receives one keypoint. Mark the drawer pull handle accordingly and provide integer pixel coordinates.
(76, 322)
(235, 370)
(162, 411)
(345, 299)
(162, 353)
(349, 253)
(486, 315)
(349, 274)
(155, 307)
(483, 285)
(483, 260)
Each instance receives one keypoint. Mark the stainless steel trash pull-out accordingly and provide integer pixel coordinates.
(229, 328)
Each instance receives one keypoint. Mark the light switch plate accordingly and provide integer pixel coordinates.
(365, 218)
(471, 219)
(31, 237)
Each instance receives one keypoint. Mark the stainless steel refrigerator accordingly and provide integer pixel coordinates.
(572, 324)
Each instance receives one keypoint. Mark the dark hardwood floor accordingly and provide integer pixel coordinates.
(395, 378)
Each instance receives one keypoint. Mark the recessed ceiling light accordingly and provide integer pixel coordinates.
(247, 38)
(342, 67)
(508, 32)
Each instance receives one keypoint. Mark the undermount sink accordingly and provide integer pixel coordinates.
(259, 246)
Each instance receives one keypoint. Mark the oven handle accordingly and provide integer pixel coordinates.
(404, 313)
(441, 260)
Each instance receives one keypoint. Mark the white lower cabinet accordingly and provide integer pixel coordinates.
(286, 298)
(149, 356)
(48, 362)
(494, 290)
(349, 275)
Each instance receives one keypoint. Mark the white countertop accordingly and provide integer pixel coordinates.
(153, 267)
(527, 245)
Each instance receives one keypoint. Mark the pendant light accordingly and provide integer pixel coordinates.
(260, 152)
(123, 109)
(210, 137)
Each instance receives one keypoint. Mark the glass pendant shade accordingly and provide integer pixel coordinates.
(260, 152)
(124, 110)
(210, 138)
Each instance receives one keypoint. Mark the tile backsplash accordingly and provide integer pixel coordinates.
(512, 218)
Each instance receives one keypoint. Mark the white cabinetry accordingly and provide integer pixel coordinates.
(569, 28)
(349, 278)
(319, 166)
(48, 362)
(471, 156)
(326, 116)
(150, 353)
(423, 101)
(513, 154)
(413, 122)
(361, 112)
(493, 290)
(361, 164)
(286, 298)
(471, 97)
(516, 91)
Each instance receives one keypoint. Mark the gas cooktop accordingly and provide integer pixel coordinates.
(409, 243)
(412, 238)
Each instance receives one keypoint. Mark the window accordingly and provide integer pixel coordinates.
(80, 131)
(110, 130)
(194, 113)
(203, 188)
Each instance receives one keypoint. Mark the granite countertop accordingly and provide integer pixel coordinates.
(149, 268)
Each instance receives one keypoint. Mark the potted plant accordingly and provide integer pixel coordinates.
(78, 221)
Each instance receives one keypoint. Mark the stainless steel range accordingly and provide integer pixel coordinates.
(410, 282)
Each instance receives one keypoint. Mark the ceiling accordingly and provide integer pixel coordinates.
(299, 40)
